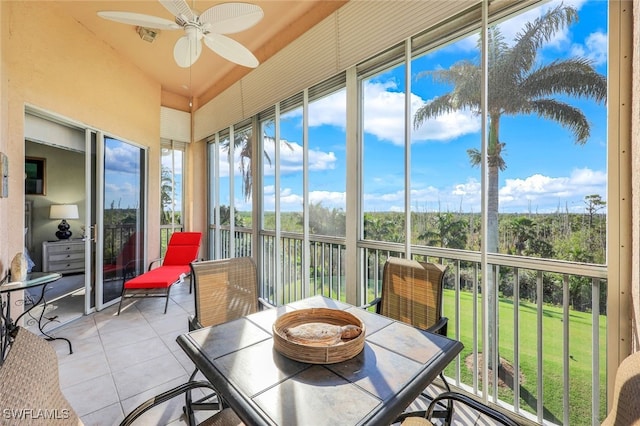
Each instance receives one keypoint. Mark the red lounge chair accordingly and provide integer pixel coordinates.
(182, 250)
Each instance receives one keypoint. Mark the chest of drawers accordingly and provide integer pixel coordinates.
(63, 256)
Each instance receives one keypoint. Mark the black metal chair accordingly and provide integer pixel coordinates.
(458, 397)
(224, 417)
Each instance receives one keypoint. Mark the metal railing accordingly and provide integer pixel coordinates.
(550, 318)
(165, 234)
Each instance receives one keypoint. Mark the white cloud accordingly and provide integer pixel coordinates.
(290, 159)
(594, 48)
(384, 117)
(122, 158)
(538, 193)
(331, 110)
(290, 201)
(329, 199)
(549, 193)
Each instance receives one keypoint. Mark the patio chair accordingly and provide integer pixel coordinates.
(224, 417)
(224, 290)
(412, 293)
(485, 410)
(625, 409)
(182, 249)
(29, 381)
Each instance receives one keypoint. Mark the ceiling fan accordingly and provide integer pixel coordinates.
(210, 25)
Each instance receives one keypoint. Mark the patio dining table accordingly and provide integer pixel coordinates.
(266, 388)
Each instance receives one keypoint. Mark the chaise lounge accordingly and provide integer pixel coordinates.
(182, 250)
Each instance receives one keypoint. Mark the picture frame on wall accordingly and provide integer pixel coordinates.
(35, 176)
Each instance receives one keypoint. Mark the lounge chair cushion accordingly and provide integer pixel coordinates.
(183, 249)
(161, 277)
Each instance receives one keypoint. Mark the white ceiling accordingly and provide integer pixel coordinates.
(282, 23)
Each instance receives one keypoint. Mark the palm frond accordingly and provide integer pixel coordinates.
(522, 55)
(575, 77)
(564, 114)
(440, 105)
(475, 157)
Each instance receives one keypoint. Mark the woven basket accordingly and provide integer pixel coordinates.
(313, 354)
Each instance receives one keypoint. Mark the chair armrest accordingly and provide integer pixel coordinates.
(154, 261)
(479, 407)
(375, 302)
(440, 327)
(163, 397)
(265, 303)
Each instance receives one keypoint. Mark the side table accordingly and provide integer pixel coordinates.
(8, 326)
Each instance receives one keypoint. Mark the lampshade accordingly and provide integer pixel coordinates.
(64, 211)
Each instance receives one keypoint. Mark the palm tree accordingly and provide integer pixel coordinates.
(448, 231)
(516, 87)
(166, 195)
(242, 140)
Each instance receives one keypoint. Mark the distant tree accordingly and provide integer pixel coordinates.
(447, 231)
(523, 232)
(382, 227)
(594, 203)
(225, 217)
(325, 221)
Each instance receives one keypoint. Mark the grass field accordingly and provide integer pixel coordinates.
(580, 364)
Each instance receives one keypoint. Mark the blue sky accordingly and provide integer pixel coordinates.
(546, 170)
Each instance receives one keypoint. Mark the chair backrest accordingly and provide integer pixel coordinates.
(182, 249)
(412, 292)
(225, 289)
(29, 384)
(626, 391)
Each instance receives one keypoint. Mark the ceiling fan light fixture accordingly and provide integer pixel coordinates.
(187, 50)
(147, 34)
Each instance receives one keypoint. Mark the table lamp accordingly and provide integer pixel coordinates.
(64, 212)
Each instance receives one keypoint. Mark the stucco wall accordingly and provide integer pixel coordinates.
(53, 63)
(635, 167)
(4, 202)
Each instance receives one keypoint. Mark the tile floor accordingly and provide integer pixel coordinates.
(118, 362)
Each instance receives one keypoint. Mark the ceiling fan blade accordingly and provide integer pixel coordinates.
(229, 18)
(187, 50)
(179, 9)
(230, 50)
(139, 19)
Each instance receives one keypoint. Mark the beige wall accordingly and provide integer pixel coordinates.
(51, 62)
(635, 171)
(4, 145)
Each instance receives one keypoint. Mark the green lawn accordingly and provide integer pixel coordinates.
(580, 371)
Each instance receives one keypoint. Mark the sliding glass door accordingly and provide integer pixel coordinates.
(120, 205)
